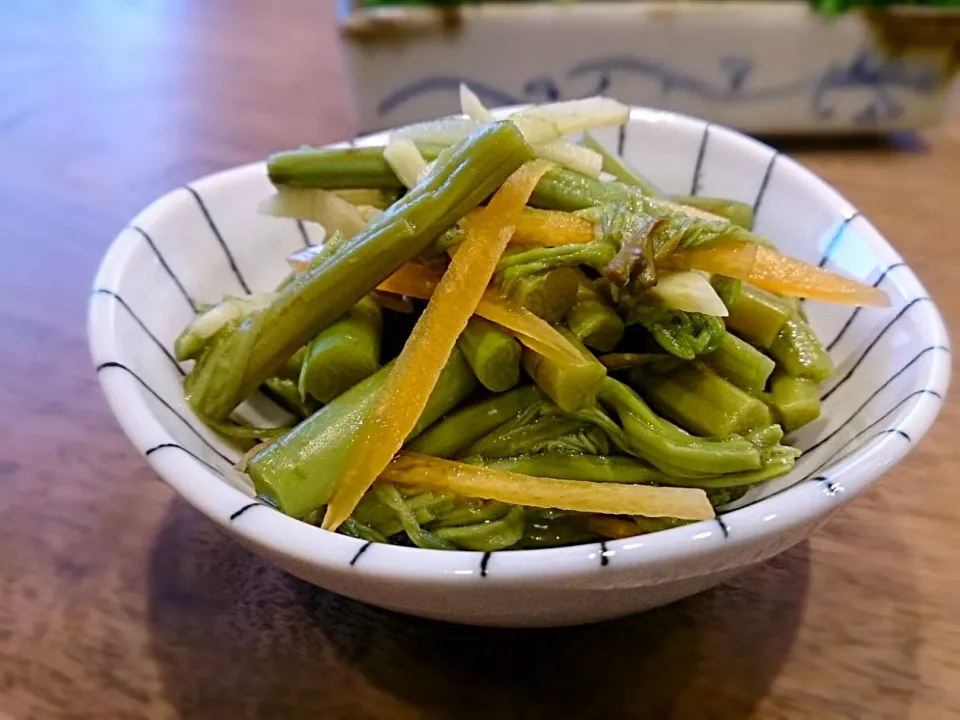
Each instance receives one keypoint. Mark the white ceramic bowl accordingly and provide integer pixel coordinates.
(207, 239)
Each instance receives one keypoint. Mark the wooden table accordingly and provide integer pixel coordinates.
(117, 600)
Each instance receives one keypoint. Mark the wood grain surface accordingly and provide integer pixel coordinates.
(119, 601)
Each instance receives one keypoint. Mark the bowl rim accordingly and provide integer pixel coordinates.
(807, 501)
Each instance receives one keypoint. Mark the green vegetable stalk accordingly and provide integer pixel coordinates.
(776, 463)
(623, 232)
(646, 435)
(571, 386)
(631, 240)
(298, 471)
(286, 392)
(291, 369)
(727, 289)
(590, 468)
(685, 335)
(621, 222)
(330, 169)
(493, 353)
(800, 353)
(448, 437)
(487, 536)
(547, 432)
(513, 265)
(321, 294)
(652, 363)
(768, 437)
(549, 294)
(390, 496)
(560, 189)
(740, 363)
(468, 511)
(702, 402)
(344, 353)
(737, 212)
(686, 232)
(375, 198)
(334, 169)
(634, 267)
(619, 469)
(758, 316)
(356, 529)
(555, 528)
(795, 400)
(437, 521)
(615, 165)
(380, 512)
(592, 319)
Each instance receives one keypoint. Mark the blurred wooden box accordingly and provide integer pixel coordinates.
(761, 67)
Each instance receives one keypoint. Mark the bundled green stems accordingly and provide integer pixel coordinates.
(699, 400)
(646, 435)
(776, 324)
(559, 189)
(435, 520)
(321, 294)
